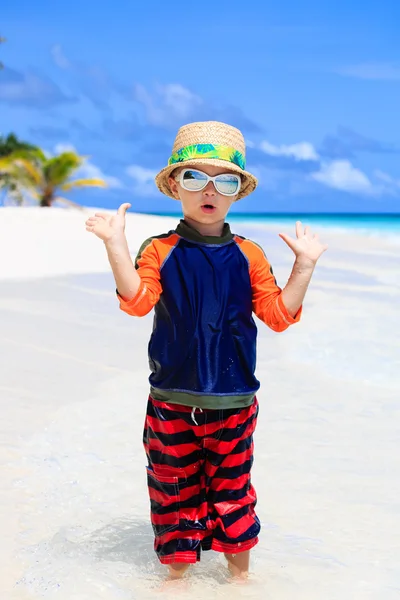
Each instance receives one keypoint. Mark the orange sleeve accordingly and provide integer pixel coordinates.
(149, 261)
(267, 295)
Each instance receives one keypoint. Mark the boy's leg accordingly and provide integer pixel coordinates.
(230, 495)
(176, 485)
(177, 570)
(238, 564)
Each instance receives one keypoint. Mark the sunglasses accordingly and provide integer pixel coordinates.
(192, 180)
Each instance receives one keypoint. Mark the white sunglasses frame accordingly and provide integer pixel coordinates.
(179, 179)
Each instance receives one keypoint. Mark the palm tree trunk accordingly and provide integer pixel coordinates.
(46, 200)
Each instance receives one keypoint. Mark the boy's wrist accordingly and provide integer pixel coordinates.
(117, 241)
(304, 264)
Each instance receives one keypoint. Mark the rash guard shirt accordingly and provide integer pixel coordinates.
(204, 291)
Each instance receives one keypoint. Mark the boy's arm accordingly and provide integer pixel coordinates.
(126, 276)
(140, 290)
(307, 249)
(137, 285)
(295, 290)
(280, 308)
(267, 296)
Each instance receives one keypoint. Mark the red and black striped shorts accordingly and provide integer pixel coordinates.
(198, 476)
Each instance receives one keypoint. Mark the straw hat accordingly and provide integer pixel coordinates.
(208, 143)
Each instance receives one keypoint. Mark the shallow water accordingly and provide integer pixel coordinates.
(73, 389)
(326, 502)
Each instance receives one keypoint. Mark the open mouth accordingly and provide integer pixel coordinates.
(208, 208)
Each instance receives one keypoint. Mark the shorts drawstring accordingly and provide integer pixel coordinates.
(193, 411)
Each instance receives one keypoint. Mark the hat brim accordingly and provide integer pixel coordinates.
(249, 182)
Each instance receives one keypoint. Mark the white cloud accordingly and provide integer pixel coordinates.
(299, 151)
(269, 178)
(387, 178)
(341, 175)
(338, 174)
(141, 174)
(59, 57)
(179, 99)
(143, 180)
(171, 102)
(64, 147)
(31, 89)
(373, 71)
(388, 184)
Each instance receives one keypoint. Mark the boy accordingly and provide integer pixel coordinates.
(204, 283)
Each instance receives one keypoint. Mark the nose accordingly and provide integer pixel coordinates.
(210, 190)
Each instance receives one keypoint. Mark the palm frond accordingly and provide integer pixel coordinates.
(59, 168)
(83, 183)
(32, 172)
(32, 153)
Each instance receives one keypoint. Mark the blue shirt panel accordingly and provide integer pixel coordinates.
(204, 335)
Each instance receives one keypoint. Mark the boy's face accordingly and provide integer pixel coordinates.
(206, 206)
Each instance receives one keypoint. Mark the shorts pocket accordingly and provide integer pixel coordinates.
(164, 499)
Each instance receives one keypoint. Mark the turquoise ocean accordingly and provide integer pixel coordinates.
(365, 223)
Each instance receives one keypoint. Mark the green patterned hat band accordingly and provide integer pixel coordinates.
(208, 151)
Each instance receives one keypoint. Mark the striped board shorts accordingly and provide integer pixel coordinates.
(198, 476)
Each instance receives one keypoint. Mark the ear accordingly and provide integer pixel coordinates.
(173, 186)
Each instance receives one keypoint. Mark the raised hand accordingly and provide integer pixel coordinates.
(108, 226)
(306, 245)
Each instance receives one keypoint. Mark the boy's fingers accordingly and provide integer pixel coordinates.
(289, 241)
(286, 238)
(123, 208)
(93, 221)
(96, 220)
(101, 215)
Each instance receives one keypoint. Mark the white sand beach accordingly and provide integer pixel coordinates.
(74, 511)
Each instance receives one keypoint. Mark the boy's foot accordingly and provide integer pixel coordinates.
(172, 585)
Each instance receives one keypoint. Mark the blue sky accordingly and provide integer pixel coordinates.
(314, 87)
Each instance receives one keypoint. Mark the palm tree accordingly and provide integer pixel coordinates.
(11, 186)
(11, 143)
(45, 177)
